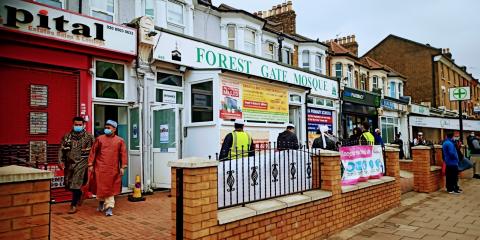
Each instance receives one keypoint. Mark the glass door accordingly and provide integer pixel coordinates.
(166, 145)
(135, 146)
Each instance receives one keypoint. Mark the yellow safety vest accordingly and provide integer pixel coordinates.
(240, 139)
(369, 137)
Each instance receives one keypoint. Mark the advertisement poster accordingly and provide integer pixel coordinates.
(164, 137)
(315, 118)
(231, 102)
(263, 102)
(361, 163)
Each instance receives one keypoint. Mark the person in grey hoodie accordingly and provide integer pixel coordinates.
(474, 145)
(287, 139)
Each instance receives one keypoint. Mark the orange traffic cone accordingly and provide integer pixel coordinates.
(137, 191)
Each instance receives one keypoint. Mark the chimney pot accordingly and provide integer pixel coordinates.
(279, 9)
(353, 38)
(348, 39)
(284, 7)
(344, 39)
(289, 6)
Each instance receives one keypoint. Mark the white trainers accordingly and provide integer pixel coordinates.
(109, 212)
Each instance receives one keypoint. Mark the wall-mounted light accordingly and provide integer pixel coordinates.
(182, 69)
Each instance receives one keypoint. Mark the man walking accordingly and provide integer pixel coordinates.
(73, 154)
(238, 143)
(287, 139)
(450, 158)
(108, 160)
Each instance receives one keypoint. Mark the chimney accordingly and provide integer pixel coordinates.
(284, 15)
(349, 43)
(446, 52)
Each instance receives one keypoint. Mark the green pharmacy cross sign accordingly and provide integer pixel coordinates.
(459, 93)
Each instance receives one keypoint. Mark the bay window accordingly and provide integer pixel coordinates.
(175, 16)
(350, 76)
(375, 82)
(103, 9)
(270, 50)
(338, 71)
(306, 59)
(231, 35)
(249, 43)
(393, 90)
(318, 63)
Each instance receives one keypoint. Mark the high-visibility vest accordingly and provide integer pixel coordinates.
(369, 137)
(240, 140)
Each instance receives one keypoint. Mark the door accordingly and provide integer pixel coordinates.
(166, 143)
(135, 146)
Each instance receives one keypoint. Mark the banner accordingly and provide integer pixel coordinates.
(361, 163)
(253, 101)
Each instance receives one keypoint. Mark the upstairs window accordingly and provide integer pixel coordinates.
(287, 56)
(175, 16)
(318, 63)
(109, 80)
(400, 89)
(103, 9)
(392, 90)
(150, 9)
(375, 82)
(231, 36)
(270, 50)
(338, 71)
(53, 3)
(249, 41)
(306, 59)
(350, 76)
(363, 82)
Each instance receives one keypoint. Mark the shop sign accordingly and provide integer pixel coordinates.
(361, 163)
(364, 98)
(53, 23)
(387, 104)
(253, 101)
(196, 54)
(445, 123)
(419, 109)
(318, 117)
(459, 93)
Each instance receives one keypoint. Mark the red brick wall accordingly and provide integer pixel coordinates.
(414, 61)
(25, 210)
(307, 221)
(424, 180)
(406, 166)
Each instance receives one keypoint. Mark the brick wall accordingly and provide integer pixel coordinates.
(311, 220)
(411, 59)
(406, 165)
(25, 210)
(424, 178)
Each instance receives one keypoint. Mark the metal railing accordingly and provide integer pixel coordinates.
(265, 173)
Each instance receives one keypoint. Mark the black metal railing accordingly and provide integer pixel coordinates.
(267, 172)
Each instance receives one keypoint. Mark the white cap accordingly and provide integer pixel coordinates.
(323, 128)
(290, 125)
(239, 121)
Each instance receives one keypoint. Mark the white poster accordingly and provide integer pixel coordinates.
(169, 97)
(164, 137)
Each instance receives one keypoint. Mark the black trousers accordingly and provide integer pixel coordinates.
(76, 195)
(451, 176)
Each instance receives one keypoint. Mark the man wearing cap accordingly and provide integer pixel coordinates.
(238, 143)
(421, 141)
(287, 139)
(108, 160)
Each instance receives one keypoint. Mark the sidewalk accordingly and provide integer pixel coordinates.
(140, 220)
(433, 216)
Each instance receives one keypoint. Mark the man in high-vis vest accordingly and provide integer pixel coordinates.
(237, 144)
(367, 137)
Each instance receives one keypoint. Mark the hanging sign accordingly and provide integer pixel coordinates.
(459, 93)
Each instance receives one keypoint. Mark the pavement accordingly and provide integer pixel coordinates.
(132, 220)
(434, 216)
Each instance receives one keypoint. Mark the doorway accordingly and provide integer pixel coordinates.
(295, 118)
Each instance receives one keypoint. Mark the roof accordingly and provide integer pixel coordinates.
(406, 40)
(393, 73)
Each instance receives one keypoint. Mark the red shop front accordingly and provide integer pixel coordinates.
(46, 75)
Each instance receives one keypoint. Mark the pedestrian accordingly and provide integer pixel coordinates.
(399, 142)
(353, 139)
(421, 141)
(108, 161)
(73, 159)
(287, 139)
(237, 143)
(367, 137)
(378, 138)
(450, 158)
(325, 140)
(474, 146)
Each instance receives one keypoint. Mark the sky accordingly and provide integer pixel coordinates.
(453, 24)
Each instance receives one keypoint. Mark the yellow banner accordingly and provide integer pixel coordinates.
(263, 102)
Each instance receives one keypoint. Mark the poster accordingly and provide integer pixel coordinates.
(38, 96)
(231, 102)
(135, 131)
(263, 102)
(315, 118)
(361, 163)
(38, 151)
(38, 123)
(164, 136)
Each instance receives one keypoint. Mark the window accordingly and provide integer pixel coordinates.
(363, 82)
(320, 102)
(231, 36)
(103, 9)
(169, 79)
(306, 59)
(202, 102)
(375, 82)
(349, 76)
(249, 41)
(150, 9)
(392, 89)
(400, 89)
(270, 50)
(338, 71)
(318, 63)
(109, 80)
(53, 3)
(175, 21)
(389, 128)
(287, 56)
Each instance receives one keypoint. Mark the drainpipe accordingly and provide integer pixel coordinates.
(306, 117)
(80, 6)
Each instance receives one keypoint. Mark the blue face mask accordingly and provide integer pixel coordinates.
(107, 131)
(77, 128)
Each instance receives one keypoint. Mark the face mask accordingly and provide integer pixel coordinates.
(77, 128)
(107, 131)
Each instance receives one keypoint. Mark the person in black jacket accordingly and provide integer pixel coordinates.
(324, 141)
(287, 139)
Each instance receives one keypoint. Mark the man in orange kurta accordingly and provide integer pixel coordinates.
(107, 161)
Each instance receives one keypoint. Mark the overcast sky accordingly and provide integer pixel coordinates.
(453, 24)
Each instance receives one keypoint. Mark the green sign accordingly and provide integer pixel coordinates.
(360, 97)
(459, 93)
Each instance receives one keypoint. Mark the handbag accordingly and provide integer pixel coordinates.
(464, 164)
